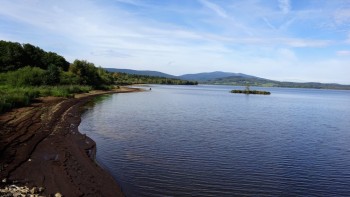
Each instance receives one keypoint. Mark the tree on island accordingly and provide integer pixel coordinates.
(247, 88)
(248, 91)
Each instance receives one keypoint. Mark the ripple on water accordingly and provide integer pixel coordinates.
(203, 141)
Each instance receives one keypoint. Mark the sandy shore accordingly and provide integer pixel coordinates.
(41, 146)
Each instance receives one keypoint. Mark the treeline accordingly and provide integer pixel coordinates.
(28, 72)
(243, 81)
(80, 72)
(250, 92)
(23, 65)
(14, 55)
(127, 79)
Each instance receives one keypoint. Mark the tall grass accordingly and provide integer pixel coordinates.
(11, 97)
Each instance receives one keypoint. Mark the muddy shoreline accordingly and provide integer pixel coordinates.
(40, 146)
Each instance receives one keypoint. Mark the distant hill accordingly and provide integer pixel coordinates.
(203, 77)
(141, 72)
(235, 79)
(242, 81)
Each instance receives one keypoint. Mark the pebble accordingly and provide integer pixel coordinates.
(41, 189)
(58, 195)
(34, 190)
(17, 191)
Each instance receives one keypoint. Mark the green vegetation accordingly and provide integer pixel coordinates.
(14, 56)
(250, 92)
(127, 79)
(28, 72)
(11, 97)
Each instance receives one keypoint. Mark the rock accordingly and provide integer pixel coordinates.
(34, 190)
(13, 187)
(17, 191)
(58, 194)
(41, 189)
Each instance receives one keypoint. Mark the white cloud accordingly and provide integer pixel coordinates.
(268, 23)
(343, 53)
(287, 54)
(131, 2)
(348, 39)
(296, 42)
(253, 38)
(284, 5)
(342, 16)
(214, 7)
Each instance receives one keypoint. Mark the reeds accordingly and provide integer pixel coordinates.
(11, 97)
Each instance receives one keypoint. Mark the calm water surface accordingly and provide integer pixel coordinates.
(205, 141)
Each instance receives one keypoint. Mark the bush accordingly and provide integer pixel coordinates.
(27, 76)
(250, 92)
(11, 97)
(16, 97)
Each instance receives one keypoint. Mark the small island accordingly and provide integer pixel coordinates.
(248, 91)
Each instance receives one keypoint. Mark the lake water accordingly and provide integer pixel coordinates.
(205, 141)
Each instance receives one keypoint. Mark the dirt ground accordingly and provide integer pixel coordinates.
(41, 146)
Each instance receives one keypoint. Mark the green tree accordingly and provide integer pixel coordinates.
(26, 76)
(52, 76)
(69, 78)
(12, 56)
(34, 56)
(87, 73)
(53, 58)
(247, 88)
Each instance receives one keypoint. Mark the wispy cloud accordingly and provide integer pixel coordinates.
(287, 54)
(268, 23)
(284, 5)
(132, 2)
(248, 36)
(214, 7)
(342, 16)
(295, 42)
(343, 53)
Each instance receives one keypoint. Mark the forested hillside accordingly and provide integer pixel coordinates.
(27, 72)
(15, 55)
(126, 79)
(141, 72)
(243, 81)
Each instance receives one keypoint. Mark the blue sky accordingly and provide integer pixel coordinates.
(289, 40)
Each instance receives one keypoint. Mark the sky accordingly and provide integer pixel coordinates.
(287, 40)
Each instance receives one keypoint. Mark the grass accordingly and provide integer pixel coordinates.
(13, 97)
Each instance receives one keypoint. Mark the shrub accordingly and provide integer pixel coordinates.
(26, 76)
(11, 97)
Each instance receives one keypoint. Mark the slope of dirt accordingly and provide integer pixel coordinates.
(41, 146)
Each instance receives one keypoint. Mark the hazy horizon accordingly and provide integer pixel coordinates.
(286, 40)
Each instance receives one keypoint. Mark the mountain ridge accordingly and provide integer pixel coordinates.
(205, 76)
(141, 72)
(235, 79)
(201, 77)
